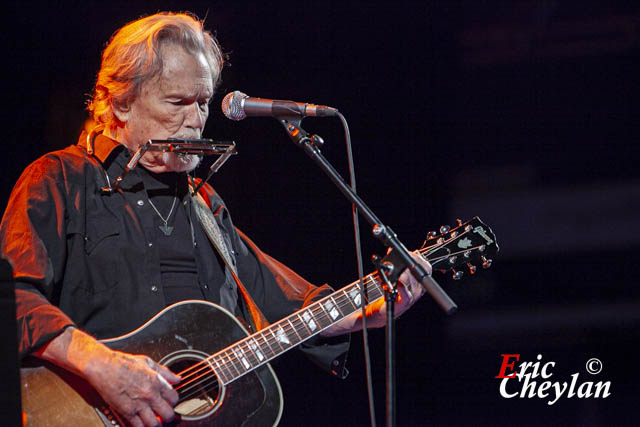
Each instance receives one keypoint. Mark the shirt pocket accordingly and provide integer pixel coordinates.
(93, 267)
(101, 229)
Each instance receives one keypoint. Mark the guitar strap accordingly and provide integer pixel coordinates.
(211, 228)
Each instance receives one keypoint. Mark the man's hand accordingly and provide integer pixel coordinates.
(134, 385)
(409, 291)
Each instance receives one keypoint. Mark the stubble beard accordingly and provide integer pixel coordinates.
(181, 162)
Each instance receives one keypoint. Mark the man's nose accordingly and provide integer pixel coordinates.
(195, 116)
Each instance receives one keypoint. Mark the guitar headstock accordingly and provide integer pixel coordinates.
(464, 247)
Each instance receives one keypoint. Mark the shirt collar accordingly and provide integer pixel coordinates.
(111, 151)
(103, 146)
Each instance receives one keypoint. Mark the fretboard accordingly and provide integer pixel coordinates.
(454, 248)
(269, 343)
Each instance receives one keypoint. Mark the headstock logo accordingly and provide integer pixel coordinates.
(464, 243)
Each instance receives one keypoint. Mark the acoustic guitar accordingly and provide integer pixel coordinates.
(226, 378)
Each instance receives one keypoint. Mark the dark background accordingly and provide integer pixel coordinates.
(524, 113)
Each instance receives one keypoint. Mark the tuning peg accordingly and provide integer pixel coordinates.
(459, 221)
(317, 141)
(467, 254)
(486, 262)
(457, 275)
(452, 260)
(431, 235)
(472, 268)
(444, 229)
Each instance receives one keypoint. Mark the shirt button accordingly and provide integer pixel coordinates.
(150, 244)
(140, 202)
(205, 286)
(154, 288)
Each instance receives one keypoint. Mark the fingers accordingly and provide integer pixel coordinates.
(163, 409)
(167, 391)
(167, 375)
(412, 290)
(148, 417)
(422, 261)
(134, 386)
(166, 378)
(407, 290)
(135, 421)
(151, 411)
(151, 393)
(137, 417)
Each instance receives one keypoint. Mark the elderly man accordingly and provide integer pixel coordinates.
(91, 264)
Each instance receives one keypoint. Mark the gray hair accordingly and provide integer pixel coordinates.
(133, 55)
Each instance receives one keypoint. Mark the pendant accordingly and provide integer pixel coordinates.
(166, 229)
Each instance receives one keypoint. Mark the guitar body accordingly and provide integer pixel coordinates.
(179, 336)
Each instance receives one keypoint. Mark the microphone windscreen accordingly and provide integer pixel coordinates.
(232, 105)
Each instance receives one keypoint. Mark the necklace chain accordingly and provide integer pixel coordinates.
(173, 205)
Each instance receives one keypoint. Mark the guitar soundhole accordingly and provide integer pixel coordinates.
(200, 391)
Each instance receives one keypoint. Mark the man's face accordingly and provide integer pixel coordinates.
(173, 104)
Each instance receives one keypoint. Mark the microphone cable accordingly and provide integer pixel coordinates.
(356, 232)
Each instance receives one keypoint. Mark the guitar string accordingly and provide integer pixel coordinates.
(343, 302)
(318, 313)
(211, 378)
(289, 324)
(208, 381)
(269, 341)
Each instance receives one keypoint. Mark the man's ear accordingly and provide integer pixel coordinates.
(121, 109)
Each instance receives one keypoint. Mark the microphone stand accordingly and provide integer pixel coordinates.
(389, 267)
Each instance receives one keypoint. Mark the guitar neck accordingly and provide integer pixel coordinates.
(452, 248)
(270, 342)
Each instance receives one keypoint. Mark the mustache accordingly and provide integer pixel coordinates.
(198, 135)
(181, 162)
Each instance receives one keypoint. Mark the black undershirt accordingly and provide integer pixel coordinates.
(178, 268)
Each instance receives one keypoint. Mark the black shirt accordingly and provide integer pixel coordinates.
(86, 257)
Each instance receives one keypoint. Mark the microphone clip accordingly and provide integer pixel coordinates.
(299, 135)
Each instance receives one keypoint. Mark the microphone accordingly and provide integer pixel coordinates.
(237, 106)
